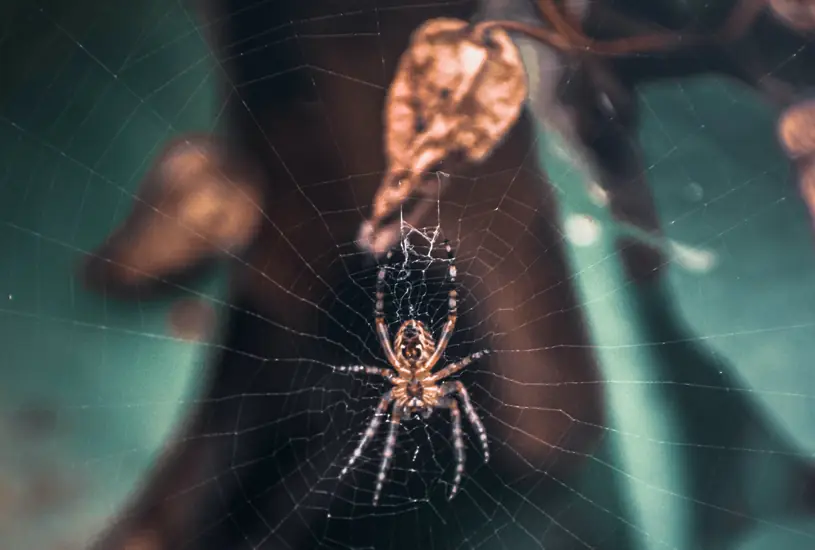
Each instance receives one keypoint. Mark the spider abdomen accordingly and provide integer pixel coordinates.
(414, 394)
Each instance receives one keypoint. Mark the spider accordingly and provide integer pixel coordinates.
(416, 389)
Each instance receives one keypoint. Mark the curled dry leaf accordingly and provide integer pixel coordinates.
(796, 129)
(796, 132)
(455, 89)
(457, 92)
(459, 89)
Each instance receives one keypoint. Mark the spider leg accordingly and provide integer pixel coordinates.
(458, 443)
(374, 371)
(453, 368)
(379, 315)
(472, 416)
(370, 431)
(387, 454)
(452, 309)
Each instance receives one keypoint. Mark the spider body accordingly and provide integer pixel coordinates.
(414, 390)
(415, 387)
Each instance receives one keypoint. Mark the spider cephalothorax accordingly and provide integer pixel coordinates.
(416, 388)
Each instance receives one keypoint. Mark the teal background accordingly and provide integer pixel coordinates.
(91, 93)
(95, 91)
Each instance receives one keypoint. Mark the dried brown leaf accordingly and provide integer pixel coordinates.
(796, 129)
(453, 90)
(458, 91)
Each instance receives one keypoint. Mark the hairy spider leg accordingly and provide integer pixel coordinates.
(374, 371)
(458, 443)
(379, 314)
(370, 431)
(387, 454)
(452, 310)
(453, 368)
(449, 388)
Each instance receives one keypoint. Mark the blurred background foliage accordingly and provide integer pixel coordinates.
(90, 388)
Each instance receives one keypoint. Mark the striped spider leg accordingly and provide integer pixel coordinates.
(416, 389)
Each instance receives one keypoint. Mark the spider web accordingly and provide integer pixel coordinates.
(694, 447)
